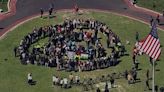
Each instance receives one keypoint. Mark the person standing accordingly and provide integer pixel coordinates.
(151, 60)
(15, 51)
(112, 81)
(151, 20)
(134, 58)
(50, 12)
(156, 88)
(147, 74)
(41, 12)
(158, 19)
(136, 65)
(108, 42)
(137, 36)
(76, 8)
(147, 85)
(106, 90)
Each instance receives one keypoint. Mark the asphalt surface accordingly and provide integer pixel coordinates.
(25, 8)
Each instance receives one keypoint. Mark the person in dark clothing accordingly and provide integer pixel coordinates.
(108, 42)
(151, 61)
(41, 12)
(134, 73)
(106, 90)
(151, 20)
(50, 12)
(157, 18)
(147, 74)
(112, 81)
(96, 32)
(162, 89)
(156, 88)
(15, 51)
(136, 65)
(134, 58)
(106, 85)
(137, 36)
(147, 85)
(98, 90)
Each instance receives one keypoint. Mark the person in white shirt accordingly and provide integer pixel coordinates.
(29, 77)
(65, 80)
(57, 81)
(54, 79)
(61, 82)
(77, 79)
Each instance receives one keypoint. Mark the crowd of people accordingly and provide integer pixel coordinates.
(89, 83)
(63, 39)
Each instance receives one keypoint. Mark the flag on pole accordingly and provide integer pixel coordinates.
(151, 44)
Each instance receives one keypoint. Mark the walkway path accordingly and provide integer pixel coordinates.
(26, 8)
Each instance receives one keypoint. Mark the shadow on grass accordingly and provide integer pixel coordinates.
(33, 83)
(50, 17)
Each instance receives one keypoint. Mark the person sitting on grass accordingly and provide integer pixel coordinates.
(61, 82)
(54, 80)
(65, 80)
(71, 78)
(30, 80)
(77, 80)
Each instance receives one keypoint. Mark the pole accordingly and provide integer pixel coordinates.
(153, 76)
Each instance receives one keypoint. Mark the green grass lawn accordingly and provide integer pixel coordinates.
(13, 74)
(3, 5)
(149, 4)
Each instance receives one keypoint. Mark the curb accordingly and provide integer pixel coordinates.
(26, 19)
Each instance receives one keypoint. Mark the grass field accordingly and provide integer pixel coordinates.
(13, 74)
(159, 4)
(3, 5)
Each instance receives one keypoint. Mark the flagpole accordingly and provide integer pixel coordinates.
(153, 76)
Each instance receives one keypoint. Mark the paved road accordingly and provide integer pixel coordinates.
(30, 7)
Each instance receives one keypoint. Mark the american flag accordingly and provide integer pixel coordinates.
(151, 44)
